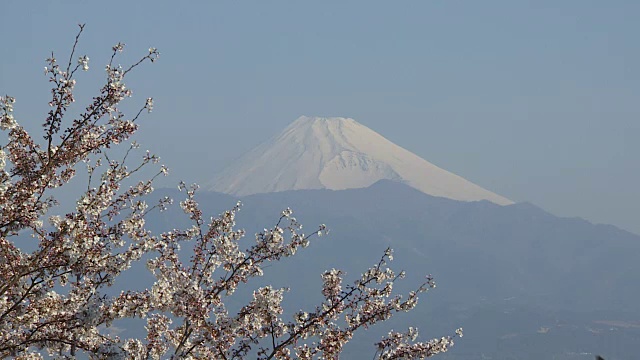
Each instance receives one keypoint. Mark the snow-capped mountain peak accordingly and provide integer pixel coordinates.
(339, 153)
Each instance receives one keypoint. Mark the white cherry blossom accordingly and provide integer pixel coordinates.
(54, 301)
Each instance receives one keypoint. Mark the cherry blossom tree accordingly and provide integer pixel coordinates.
(54, 300)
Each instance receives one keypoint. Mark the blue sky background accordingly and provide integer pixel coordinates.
(535, 100)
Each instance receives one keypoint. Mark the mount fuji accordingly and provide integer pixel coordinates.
(338, 153)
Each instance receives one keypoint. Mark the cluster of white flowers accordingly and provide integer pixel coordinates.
(397, 345)
(54, 299)
(84, 62)
(119, 47)
(7, 121)
(115, 75)
(3, 159)
(332, 283)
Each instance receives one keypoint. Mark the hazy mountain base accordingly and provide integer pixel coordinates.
(523, 283)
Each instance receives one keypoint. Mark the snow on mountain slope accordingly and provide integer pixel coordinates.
(339, 153)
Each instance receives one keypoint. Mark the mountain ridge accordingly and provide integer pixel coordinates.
(478, 249)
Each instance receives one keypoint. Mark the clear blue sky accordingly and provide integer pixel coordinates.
(536, 100)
